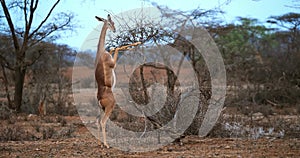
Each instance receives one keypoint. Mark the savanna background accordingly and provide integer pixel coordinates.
(39, 117)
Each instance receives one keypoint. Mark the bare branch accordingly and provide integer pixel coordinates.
(46, 18)
(50, 29)
(10, 24)
(25, 12)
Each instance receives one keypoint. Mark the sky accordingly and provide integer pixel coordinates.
(85, 11)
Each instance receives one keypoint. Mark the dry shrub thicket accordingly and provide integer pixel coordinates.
(32, 127)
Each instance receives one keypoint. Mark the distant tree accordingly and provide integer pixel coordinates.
(245, 47)
(26, 32)
(243, 40)
(290, 22)
(49, 78)
(4, 58)
(285, 59)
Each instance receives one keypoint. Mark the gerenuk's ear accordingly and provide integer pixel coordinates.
(99, 18)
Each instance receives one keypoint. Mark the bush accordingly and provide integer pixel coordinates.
(5, 112)
(15, 133)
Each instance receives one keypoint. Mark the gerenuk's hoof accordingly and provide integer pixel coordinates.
(106, 145)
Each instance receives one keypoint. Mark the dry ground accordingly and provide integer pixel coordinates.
(80, 143)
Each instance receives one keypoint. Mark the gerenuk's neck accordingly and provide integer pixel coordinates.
(101, 43)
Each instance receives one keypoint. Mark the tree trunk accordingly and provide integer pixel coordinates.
(171, 82)
(146, 96)
(19, 82)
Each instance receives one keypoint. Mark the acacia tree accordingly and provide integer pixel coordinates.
(158, 35)
(290, 22)
(26, 32)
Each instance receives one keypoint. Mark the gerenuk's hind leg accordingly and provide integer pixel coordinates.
(108, 105)
(99, 126)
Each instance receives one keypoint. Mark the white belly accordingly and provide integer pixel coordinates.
(113, 79)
